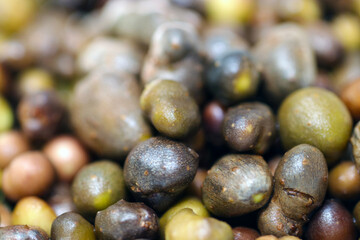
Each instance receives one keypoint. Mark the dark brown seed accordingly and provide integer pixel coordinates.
(331, 222)
(170, 167)
(300, 187)
(249, 127)
(302, 169)
(125, 220)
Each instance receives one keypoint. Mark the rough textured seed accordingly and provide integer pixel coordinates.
(249, 127)
(166, 162)
(237, 184)
(125, 220)
(299, 189)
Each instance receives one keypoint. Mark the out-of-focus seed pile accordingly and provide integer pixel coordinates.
(180, 119)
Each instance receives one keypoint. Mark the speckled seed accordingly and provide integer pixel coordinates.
(301, 180)
(249, 127)
(157, 170)
(237, 184)
(125, 220)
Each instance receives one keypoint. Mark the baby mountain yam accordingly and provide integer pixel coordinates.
(286, 61)
(97, 186)
(301, 180)
(171, 109)
(71, 225)
(126, 220)
(106, 113)
(237, 184)
(249, 126)
(174, 54)
(233, 77)
(318, 117)
(158, 170)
